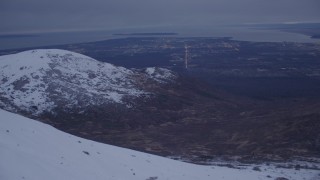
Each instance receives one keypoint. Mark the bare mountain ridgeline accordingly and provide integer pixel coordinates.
(249, 99)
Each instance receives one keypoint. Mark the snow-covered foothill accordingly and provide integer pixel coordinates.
(42, 79)
(32, 150)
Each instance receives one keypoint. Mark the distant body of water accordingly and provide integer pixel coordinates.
(236, 33)
(47, 39)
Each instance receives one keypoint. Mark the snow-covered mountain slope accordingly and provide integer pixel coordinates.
(36, 151)
(40, 80)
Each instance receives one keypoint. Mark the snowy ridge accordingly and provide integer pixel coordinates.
(35, 151)
(40, 80)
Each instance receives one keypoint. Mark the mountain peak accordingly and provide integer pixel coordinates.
(42, 79)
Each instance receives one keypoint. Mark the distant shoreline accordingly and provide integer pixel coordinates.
(17, 35)
(145, 34)
(316, 36)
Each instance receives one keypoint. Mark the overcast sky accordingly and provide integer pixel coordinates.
(19, 16)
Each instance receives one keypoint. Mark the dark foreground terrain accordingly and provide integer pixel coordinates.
(250, 100)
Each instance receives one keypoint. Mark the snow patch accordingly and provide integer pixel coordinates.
(160, 75)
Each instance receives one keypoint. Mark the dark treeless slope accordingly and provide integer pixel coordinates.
(192, 120)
